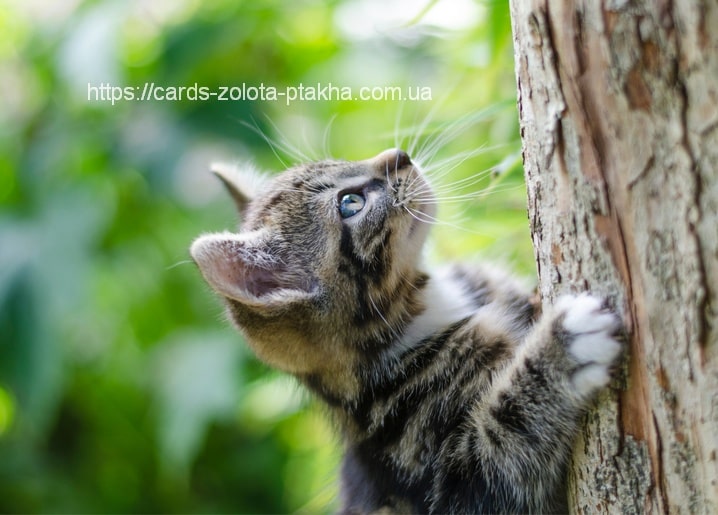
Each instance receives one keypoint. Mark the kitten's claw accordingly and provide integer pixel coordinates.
(590, 330)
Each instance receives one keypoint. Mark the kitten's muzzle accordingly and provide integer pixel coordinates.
(391, 160)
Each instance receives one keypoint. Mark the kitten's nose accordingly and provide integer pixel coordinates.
(391, 160)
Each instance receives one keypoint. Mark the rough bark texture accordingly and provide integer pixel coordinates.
(619, 120)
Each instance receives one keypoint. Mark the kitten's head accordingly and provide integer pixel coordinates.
(325, 265)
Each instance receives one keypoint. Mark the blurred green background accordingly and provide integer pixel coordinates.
(122, 386)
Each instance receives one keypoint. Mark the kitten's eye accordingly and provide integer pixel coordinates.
(350, 204)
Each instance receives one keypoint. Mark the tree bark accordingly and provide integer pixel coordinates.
(618, 104)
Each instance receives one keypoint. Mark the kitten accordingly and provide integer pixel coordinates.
(452, 392)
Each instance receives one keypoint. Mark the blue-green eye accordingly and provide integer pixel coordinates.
(350, 204)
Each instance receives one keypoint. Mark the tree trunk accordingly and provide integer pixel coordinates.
(619, 119)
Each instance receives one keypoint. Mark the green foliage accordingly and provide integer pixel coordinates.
(122, 388)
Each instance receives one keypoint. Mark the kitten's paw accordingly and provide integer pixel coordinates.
(590, 329)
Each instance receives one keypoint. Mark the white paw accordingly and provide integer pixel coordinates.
(590, 378)
(590, 343)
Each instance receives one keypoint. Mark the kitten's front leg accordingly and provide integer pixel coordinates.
(521, 433)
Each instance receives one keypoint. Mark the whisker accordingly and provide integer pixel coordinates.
(394, 189)
(274, 146)
(421, 129)
(378, 312)
(183, 262)
(457, 198)
(461, 184)
(421, 216)
(444, 191)
(288, 147)
(438, 169)
(398, 143)
(327, 136)
(485, 192)
(282, 145)
(451, 130)
(426, 218)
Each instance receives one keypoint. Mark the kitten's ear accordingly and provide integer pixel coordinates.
(243, 267)
(242, 182)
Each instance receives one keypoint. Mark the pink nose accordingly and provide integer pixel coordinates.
(391, 160)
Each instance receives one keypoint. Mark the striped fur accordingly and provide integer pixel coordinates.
(453, 393)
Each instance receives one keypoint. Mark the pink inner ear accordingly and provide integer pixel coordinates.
(238, 268)
(263, 280)
(260, 281)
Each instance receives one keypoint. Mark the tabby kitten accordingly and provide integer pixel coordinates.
(452, 392)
